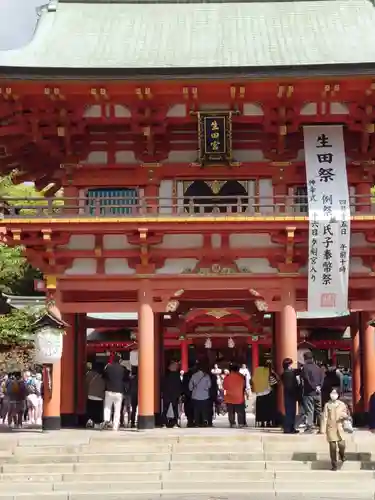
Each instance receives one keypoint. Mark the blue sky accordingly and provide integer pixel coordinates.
(17, 22)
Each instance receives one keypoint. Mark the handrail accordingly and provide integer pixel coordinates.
(11, 207)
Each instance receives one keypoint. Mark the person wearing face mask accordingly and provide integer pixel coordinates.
(291, 392)
(334, 414)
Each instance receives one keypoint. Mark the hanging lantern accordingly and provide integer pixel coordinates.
(208, 343)
(231, 343)
(48, 345)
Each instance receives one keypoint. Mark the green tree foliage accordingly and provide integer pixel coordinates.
(16, 328)
(16, 275)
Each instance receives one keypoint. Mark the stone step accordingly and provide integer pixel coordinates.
(152, 467)
(191, 476)
(203, 456)
(179, 487)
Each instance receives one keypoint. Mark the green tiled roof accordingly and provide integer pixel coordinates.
(134, 36)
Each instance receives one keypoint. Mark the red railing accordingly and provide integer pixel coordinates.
(11, 208)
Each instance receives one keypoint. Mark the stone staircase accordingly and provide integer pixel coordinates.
(181, 465)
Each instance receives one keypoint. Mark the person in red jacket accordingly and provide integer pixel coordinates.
(234, 396)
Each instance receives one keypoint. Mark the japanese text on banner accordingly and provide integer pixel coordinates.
(329, 215)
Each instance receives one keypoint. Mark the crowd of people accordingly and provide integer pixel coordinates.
(21, 399)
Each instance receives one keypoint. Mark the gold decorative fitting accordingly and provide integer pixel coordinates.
(218, 313)
(185, 92)
(370, 128)
(46, 233)
(194, 91)
(51, 282)
(280, 91)
(283, 130)
(233, 92)
(290, 91)
(147, 131)
(61, 131)
(242, 92)
(98, 252)
(148, 93)
(139, 93)
(16, 234)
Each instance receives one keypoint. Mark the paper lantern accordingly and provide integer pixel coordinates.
(208, 343)
(48, 346)
(231, 343)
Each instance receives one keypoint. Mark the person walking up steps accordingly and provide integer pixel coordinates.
(332, 425)
(114, 376)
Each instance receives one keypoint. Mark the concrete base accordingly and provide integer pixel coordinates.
(69, 420)
(51, 423)
(146, 421)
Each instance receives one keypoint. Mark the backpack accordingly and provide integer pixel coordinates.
(13, 388)
(31, 388)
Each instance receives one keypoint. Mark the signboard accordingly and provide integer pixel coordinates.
(215, 137)
(329, 215)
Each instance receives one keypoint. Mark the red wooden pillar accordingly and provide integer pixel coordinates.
(286, 333)
(254, 357)
(81, 366)
(68, 375)
(368, 350)
(356, 366)
(157, 365)
(184, 355)
(52, 373)
(333, 357)
(146, 370)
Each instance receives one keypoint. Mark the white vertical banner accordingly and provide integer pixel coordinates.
(329, 215)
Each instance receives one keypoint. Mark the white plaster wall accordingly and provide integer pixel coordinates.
(266, 196)
(94, 111)
(248, 155)
(309, 109)
(181, 241)
(252, 240)
(359, 240)
(216, 240)
(165, 193)
(125, 157)
(256, 266)
(122, 111)
(182, 156)
(177, 111)
(338, 108)
(117, 266)
(81, 242)
(252, 109)
(356, 266)
(177, 266)
(116, 242)
(82, 266)
(96, 157)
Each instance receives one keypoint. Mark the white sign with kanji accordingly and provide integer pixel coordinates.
(329, 215)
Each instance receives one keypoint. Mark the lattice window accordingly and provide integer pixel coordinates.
(112, 201)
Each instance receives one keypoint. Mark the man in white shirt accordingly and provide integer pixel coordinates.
(199, 386)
